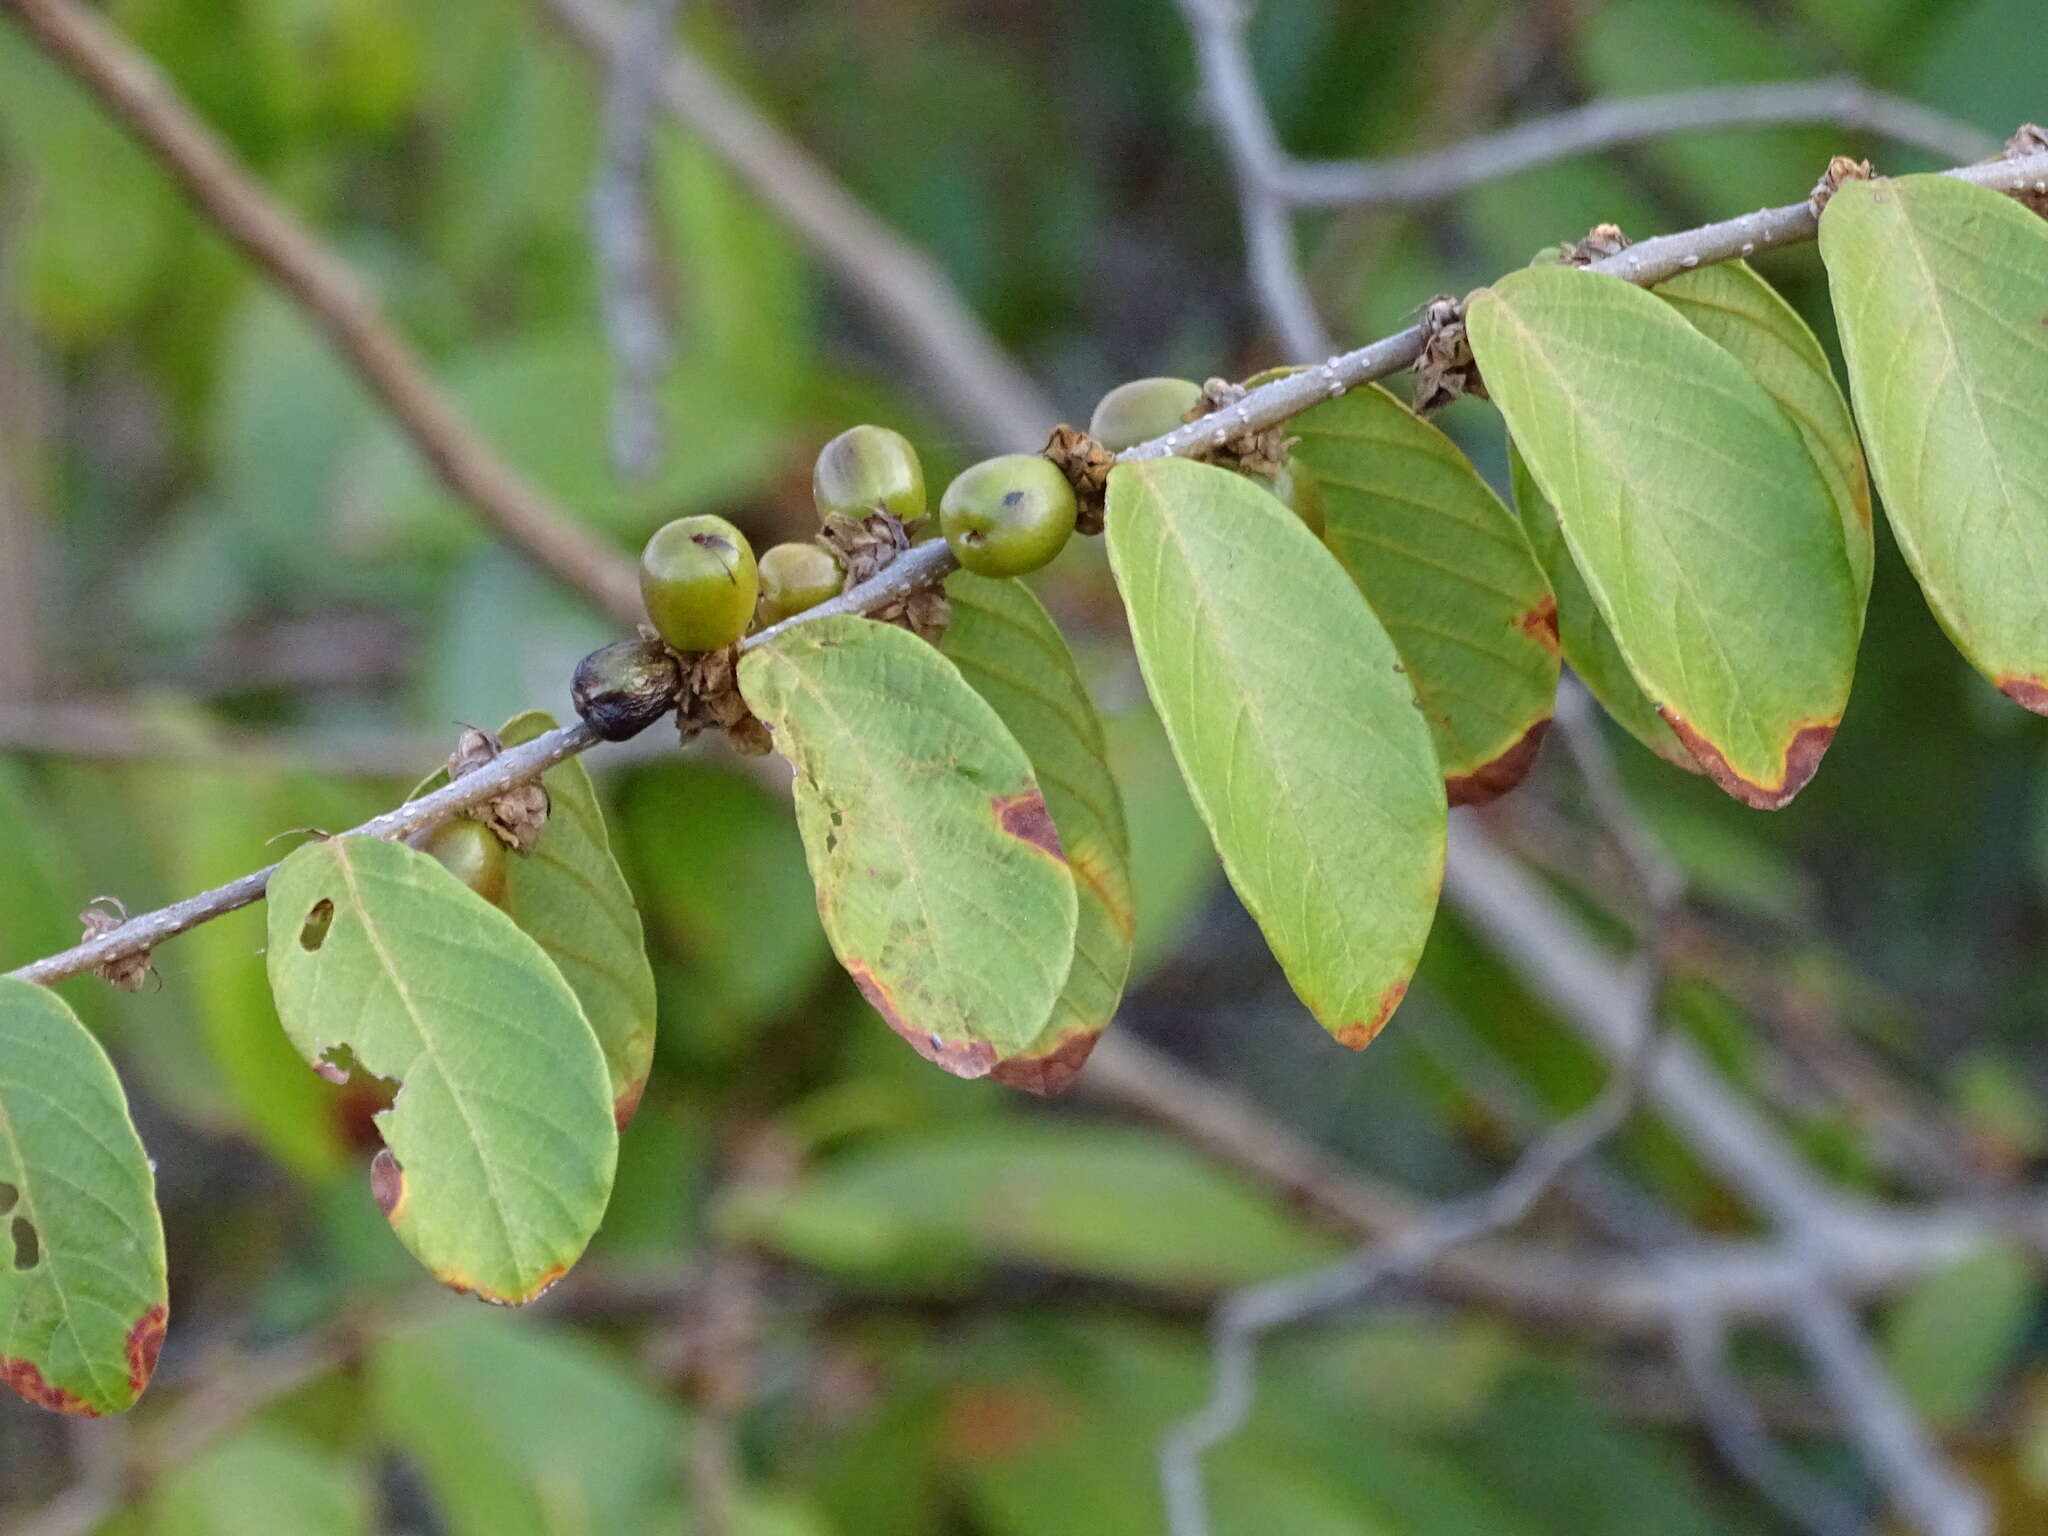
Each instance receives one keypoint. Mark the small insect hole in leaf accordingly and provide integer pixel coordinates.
(9, 1197)
(28, 1248)
(313, 932)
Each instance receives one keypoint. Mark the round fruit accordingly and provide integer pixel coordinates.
(869, 469)
(795, 577)
(471, 852)
(698, 579)
(1141, 410)
(1008, 515)
(1300, 492)
(624, 688)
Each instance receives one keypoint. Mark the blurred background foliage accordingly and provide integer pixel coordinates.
(966, 1312)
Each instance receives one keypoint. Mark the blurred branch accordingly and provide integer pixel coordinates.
(1272, 186)
(622, 232)
(1259, 164)
(1840, 102)
(138, 96)
(972, 377)
(1743, 1441)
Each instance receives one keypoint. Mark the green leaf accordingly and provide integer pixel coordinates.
(1941, 292)
(1746, 317)
(1106, 1201)
(82, 1299)
(572, 899)
(1692, 508)
(258, 1483)
(1951, 1337)
(1299, 736)
(1451, 576)
(1008, 648)
(940, 878)
(501, 1145)
(518, 1431)
(1583, 636)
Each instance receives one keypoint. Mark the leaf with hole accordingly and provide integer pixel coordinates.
(1583, 636)
(941, 881)
(1008, 648)
(500, 1146)
(1691, 505)
(1941, 293)
(1295, 727)
(1448, 571)
(82, 1298)
(1743, 315)
(571, 897)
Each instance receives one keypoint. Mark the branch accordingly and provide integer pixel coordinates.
(971, 376)
(138, 96)
(1438, 174)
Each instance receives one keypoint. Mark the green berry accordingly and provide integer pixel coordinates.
(1008, 515)
(698, 579)
(1141, 410)
(624, 688)
(471, 852)
(1299, 491)
(869, 469)
(795, 577)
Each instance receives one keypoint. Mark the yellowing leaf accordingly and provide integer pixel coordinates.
(1692, 506)
(941, 881)
(1941, 292)
(1008, 648)
(1295, 727)
(82, 1299)
(500, 1144)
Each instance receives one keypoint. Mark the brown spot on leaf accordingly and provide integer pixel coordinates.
(1025, 817)
(1803, 753)
(2027, 692)
(1540, 623)
(387, 1184)
(1357, 1037)
(1052, 1071)
(27, 1382)
(1489, 781)
(28, 1244)
(627, 1104)
(962, 1058)
(145, 1342)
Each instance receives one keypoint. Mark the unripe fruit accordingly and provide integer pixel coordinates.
(1141, 410)
(1299, 491)
(624, 688)
(471, 852)
(867, 469)
(795, 577)
(1008, 515)
(699, 582)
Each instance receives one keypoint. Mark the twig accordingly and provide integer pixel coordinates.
(138, 96)
(622, 231)
(1438, 174)
(972, 377)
